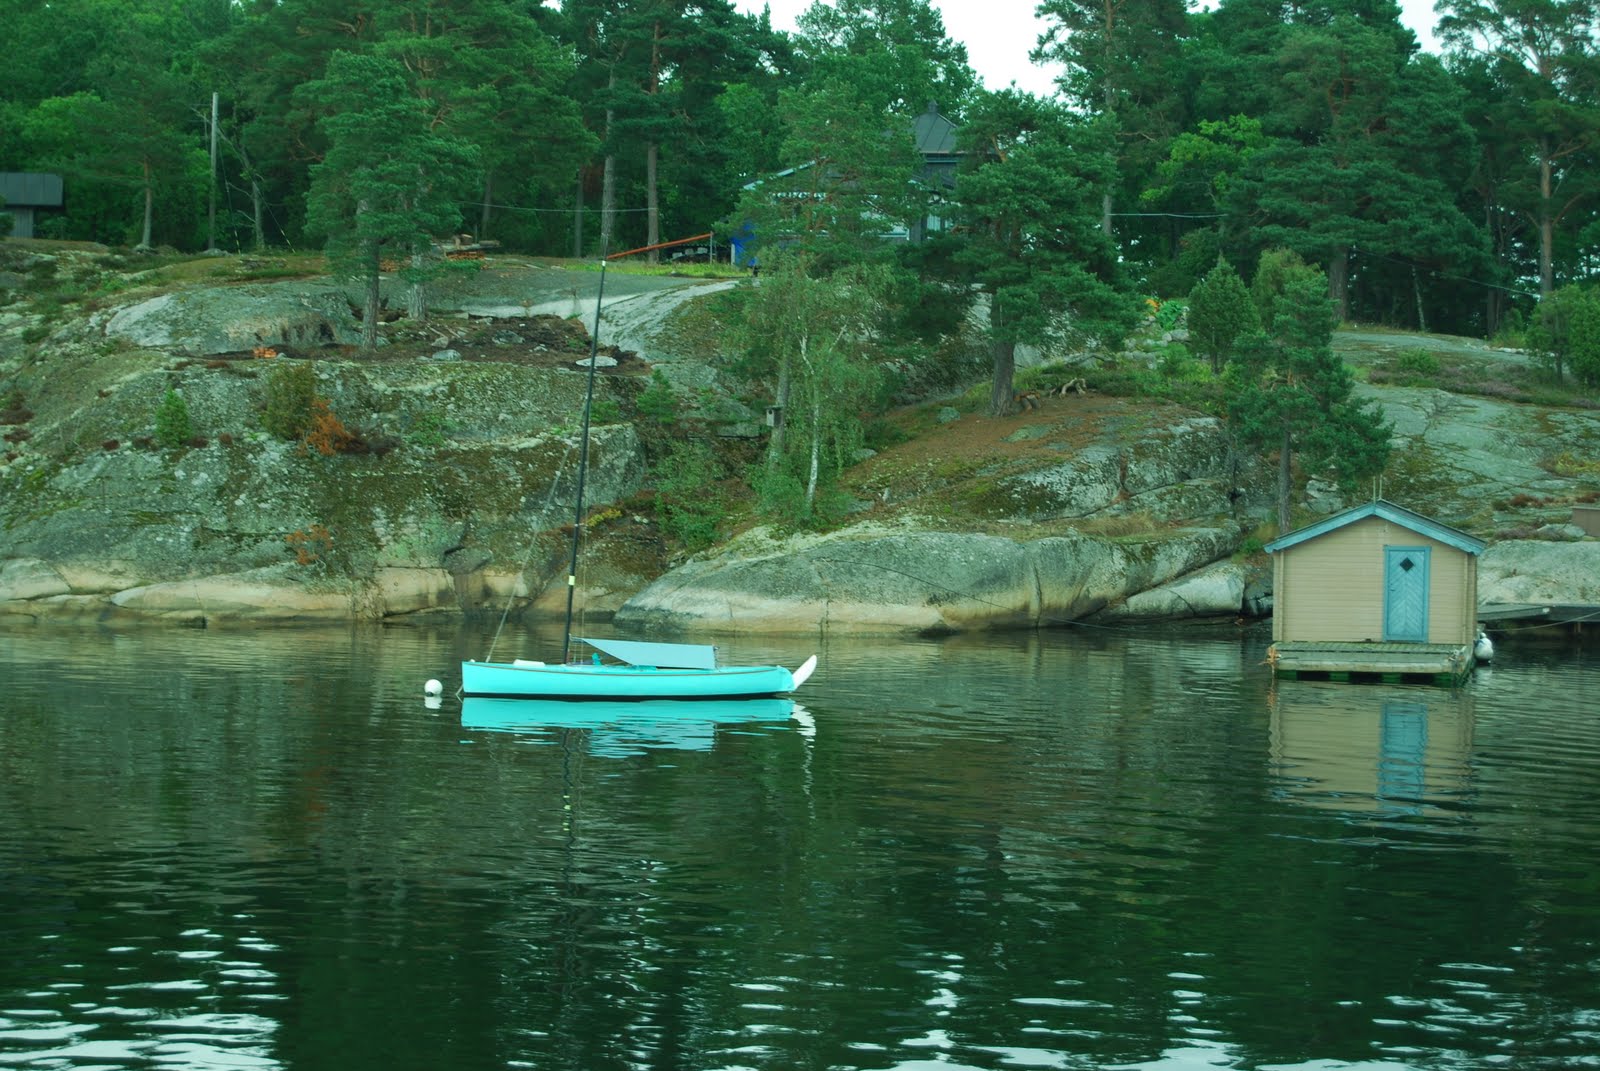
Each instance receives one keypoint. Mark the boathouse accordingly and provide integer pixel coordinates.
(1375, 592)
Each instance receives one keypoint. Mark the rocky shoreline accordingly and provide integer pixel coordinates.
(459, 500)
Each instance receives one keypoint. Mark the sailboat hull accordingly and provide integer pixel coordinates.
(514, 680)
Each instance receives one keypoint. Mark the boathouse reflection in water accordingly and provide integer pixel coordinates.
(1393, 751)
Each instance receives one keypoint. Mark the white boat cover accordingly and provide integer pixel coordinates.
(660, 655)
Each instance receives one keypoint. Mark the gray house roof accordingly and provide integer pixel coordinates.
(1388, 511)
(934, 134)
(30, 189)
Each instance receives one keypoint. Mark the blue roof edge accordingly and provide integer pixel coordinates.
(1443, 533)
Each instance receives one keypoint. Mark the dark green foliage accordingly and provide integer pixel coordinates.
(291, 389)
(658, 401)
(895, 51)
(390, 180)
(1275, 272)
(1289, 392)
(173, 427)
(1220, 310)
(1031, 209)
(689, 500)
(1565, 333)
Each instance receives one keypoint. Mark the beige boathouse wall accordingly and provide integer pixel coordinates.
(1330, 588)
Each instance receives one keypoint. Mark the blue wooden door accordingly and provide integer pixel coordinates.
(1402, 759)
(1405, 594)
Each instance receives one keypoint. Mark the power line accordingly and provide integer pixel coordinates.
(550, 211)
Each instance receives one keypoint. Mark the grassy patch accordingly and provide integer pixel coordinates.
(700, 329)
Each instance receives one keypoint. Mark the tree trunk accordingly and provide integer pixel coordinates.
(149, 206)
(211, 189)
(1004, 354)
(776, 443)
(369, 307)
(652, 154)
(1416, 290)
(417, 293)
(1105, 213)
(1285, 477)
(608, 179)
(488, 198)
(1339, 281)
(1547, 223)
(816, 452)
(577, 218)
(1005, 364)
(257, 211)
(652, 214)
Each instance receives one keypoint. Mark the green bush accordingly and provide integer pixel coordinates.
(657, 401)
(428, 429)
(173, 427)
(291, 393)
(689, 504)
(1418, 363)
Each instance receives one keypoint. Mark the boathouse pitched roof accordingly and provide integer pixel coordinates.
(1387, 511)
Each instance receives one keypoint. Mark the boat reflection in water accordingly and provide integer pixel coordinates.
(1385, 751)
(626, 728)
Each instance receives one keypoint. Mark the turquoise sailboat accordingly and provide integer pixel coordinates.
(639, 670)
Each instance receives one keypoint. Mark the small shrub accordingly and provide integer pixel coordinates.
(880, 434)
(198, 442)
(1112, 526)
(173, 427)
(18, 415)
(291, 391)
(327, 434)
(1418, 363)
(309, 544)
(429, 429)
(689, 503)
(1570, 465)
(225, 439)
(109, 445)
(605, 411)
(658, 402)
(18, 435)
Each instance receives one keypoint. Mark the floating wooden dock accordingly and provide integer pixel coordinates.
(1444, 664)
(1540, 613)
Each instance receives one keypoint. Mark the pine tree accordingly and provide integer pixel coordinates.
(1030, 209)
(1290, 391)
(388, 182)
(1220, 310)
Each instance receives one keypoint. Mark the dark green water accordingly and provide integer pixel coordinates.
(1069, 850)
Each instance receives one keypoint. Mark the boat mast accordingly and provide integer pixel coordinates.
(583, 461)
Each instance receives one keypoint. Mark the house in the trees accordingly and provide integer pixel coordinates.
(936, 139)
(24, 194)
(1375, 591)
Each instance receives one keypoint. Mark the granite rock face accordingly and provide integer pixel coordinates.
(868, 580)
(236, 319)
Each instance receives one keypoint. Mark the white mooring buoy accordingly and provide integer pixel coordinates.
(432, 688)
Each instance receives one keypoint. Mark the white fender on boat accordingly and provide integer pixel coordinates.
(808, 667)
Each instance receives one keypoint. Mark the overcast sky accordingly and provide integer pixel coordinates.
(999, 34)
